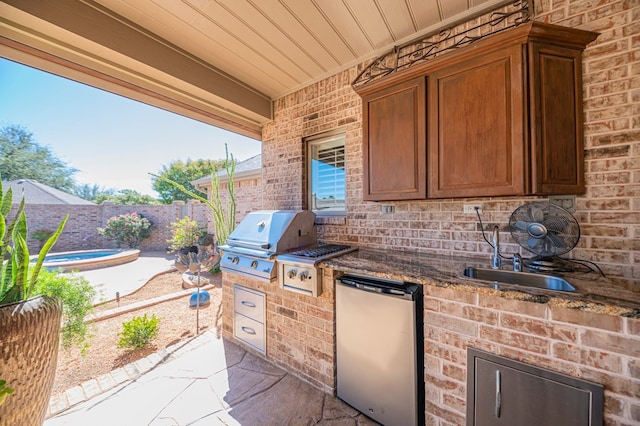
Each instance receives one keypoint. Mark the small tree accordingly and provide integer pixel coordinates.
(130, 229)
(224, 217)
(21, 157)
(183, 173)
(185, 233)
(127, 197)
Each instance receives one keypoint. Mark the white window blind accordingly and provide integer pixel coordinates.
(327, 175)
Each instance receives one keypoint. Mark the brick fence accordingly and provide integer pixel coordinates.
(81, 230)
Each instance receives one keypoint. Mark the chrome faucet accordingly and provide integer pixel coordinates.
(517, 263)
(496, 262)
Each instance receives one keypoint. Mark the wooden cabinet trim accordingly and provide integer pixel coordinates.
(539, 32)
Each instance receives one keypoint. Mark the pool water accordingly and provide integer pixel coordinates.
(69, 257)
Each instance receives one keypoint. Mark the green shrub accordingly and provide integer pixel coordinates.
(138, 332)
(185, 233)
(130, 229)
(4, 391)
(42, 235)
(76, 295)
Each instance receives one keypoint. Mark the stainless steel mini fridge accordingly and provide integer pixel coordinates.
(380, 349)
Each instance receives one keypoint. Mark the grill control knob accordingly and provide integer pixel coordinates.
(292, 273)
(235, 260)
(254, 264)
(303, 276)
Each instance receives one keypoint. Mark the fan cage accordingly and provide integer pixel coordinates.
(544, 229)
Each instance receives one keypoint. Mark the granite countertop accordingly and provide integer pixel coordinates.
(593, 293)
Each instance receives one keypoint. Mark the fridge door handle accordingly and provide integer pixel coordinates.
(498, 394)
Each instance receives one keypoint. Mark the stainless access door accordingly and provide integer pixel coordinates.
(379, 364)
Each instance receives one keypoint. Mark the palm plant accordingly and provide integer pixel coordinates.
(17, 276)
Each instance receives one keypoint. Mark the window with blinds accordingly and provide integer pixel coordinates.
(326, 175)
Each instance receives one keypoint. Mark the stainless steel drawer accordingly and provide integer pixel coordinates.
(249, 303)
(249, 331)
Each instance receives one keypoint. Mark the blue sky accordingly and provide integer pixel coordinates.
(113, 141)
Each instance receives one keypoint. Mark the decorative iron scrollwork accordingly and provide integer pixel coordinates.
(428, 46)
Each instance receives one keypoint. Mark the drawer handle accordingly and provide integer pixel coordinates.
(248, 330)
(249, 304)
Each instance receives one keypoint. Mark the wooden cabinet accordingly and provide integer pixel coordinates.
(395, 142)
(500, 117)
(501, 391)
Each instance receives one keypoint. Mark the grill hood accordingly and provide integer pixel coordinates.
(265, 233)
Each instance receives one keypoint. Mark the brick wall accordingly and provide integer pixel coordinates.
(596, 347)
(609, 211)
(80, 232)
(328, 105)
(248, 196)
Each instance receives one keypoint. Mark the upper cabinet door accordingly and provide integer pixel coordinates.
(557, 134)
(394, 142)
(477, 135)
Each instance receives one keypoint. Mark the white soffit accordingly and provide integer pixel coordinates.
(220, 61)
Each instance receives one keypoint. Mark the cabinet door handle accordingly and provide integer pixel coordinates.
(498, 394)
(249, 304)
(248, 330)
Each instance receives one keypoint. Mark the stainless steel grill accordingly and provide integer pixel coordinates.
(252, 247)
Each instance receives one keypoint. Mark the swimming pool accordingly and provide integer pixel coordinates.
(83, 260)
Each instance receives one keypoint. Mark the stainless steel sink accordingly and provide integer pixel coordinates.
(526, 279)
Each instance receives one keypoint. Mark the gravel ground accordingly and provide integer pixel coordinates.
(177, 323)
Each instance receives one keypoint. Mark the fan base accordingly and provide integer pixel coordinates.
(549, 264)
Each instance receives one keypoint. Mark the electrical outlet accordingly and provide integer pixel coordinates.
(470, 208)
(567, 202)
(386, 209)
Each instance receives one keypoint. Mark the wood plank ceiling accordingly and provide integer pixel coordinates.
(221, 61)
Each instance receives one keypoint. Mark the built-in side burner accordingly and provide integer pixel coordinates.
(321, 251)
(298, 271)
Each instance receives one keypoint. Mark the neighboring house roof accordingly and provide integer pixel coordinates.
(37, 193)
(251, 168)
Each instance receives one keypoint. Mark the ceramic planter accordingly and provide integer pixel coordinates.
(28, 356)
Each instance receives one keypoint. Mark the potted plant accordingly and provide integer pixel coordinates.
(30, 320)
